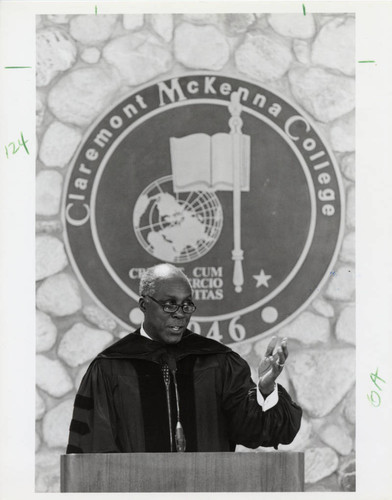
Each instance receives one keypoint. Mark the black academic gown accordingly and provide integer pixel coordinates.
(121, 405)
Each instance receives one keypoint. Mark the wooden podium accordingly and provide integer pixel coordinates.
(176, 472)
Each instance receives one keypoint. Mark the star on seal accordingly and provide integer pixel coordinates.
(262, 279)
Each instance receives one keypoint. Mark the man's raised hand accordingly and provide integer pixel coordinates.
(272, 364)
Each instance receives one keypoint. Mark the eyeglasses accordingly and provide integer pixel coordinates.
(172, 308)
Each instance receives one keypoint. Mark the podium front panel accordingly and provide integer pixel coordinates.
(181, 472)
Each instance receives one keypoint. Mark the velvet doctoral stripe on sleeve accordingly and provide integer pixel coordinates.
(91, 428)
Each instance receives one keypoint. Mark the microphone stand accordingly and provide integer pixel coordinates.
(179, 435)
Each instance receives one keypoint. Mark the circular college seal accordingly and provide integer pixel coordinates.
(219, 176)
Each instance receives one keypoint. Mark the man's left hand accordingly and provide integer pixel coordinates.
(272, 364)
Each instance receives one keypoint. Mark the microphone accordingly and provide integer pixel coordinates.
(179, 435)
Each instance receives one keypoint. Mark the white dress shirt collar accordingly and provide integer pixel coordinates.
(143, 332)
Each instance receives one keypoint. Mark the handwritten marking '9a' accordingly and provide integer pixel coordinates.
(375, 398)
(13, 148)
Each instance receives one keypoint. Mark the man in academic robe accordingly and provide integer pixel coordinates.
(164, 388)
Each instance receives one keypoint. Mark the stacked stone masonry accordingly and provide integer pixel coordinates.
(84, 64)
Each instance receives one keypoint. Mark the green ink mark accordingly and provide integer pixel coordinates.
(374, 402)
(16, 67)
(16, 149)
(95, 10)
(374, 377)
(303, 9)
(366, 61)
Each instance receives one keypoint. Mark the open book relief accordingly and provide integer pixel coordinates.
(205, 163)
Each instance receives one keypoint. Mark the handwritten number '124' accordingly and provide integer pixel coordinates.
(375, 398)
(13, 149)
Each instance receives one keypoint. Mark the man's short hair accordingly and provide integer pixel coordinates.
(153, 274)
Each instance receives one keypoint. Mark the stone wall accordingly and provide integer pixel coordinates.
(84, 63)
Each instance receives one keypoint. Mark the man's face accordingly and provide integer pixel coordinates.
(161, 326)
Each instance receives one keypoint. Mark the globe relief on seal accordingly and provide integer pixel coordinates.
(219, 176)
